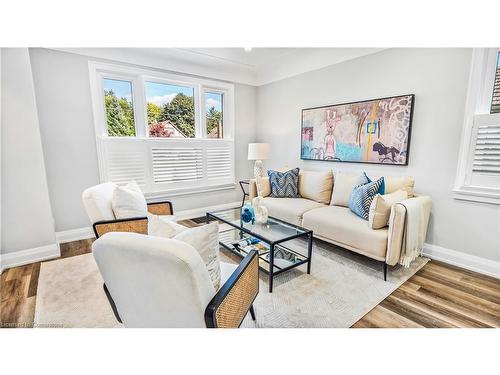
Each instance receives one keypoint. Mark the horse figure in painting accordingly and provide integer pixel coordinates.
(384, 151)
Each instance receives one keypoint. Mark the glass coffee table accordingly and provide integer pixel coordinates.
(277, 252)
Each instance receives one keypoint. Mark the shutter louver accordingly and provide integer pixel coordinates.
(219, 162)
(180, 164)
(125, 166)
(487, 150)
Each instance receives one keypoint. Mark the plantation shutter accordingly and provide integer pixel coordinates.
(484, 167)
(219, 161)
(167, 165)
(487, 150)
(173, 165)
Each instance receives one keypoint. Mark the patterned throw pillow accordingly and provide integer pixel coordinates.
(284, 184)
(362, 196)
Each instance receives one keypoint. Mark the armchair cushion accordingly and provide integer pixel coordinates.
(164, 226)
(205, 239)
(97, 202)
(129, 201)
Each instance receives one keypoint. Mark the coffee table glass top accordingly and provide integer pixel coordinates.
(274, 231)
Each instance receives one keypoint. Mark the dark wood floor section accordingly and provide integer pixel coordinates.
(439, 295)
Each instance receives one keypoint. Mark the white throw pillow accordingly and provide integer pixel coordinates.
(164, 226)
(343, 183)
(205, 239)
(380, 208)
(128, 202)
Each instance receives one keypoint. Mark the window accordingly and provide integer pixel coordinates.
(478, 172)
(119, 108)
(214, 103)
(170, 110)
(172, 134)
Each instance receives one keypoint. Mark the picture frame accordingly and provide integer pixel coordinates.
(373, 131)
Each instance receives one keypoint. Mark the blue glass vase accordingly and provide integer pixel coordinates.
(247, 214)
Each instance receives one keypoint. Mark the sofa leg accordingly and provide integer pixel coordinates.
(385, 271)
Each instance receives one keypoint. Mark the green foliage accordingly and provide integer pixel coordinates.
(119, 115)
(213, 119)
(180, 112)
(154, 113)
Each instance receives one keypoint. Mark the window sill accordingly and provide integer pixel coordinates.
(188, 191)
(477, 194)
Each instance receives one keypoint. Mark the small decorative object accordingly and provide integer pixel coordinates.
(261, 214)
(247, 214)
(371, 131)
(258, 152)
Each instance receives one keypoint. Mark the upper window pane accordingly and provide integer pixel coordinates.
(170, 110)
(214, 112)
(495, 103)
(119, 107)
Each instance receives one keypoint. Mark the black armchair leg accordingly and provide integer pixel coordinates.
(252, 312)
(385, 271)
(112, 303)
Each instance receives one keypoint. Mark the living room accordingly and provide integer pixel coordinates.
(252, 187)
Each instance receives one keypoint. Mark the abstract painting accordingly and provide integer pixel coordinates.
(371, 131)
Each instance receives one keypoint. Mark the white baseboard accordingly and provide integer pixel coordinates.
(459, 259)
(27, 256)
(87, 232)
(74, 234)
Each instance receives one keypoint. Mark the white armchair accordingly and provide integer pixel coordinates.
(97, 203)
(159, 282)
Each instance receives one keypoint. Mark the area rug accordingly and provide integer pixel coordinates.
(341, 289)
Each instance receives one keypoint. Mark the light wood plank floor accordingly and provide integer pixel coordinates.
(439, 295)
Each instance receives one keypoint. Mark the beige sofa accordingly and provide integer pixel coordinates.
(323, 209)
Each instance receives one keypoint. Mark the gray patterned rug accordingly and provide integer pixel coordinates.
(341, 288)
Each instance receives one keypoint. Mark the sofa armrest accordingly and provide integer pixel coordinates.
(161, 208)
(397, 227)
(252, 189)
(136, 225)
(234, 299)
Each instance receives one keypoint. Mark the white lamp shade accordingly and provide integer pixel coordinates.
(259, 151)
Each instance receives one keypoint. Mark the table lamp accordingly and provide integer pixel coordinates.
(258, 152)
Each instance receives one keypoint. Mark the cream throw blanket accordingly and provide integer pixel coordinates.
(413, 237)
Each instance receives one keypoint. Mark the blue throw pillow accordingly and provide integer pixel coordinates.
(284, 184)
(362, 196)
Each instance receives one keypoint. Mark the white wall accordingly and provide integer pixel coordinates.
(438, 78)
(27, 221)
(66, 123)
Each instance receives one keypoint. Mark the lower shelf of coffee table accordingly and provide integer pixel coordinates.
(285, 258)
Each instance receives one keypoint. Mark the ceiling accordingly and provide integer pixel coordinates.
(258, 66)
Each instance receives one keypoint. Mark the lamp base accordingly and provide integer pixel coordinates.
(258, 169)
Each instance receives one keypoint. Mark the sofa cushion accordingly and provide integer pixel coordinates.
(316, 185)
(380, 208)
(289, 209)
(342, 188)
(343, 227)
(405, 183)
(263, 186)
(284, 184)
(362, 197)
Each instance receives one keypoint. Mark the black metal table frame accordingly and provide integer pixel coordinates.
(272, 245)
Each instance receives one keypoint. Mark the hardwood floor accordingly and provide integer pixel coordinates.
(439, 295)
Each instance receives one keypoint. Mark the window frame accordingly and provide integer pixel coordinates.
(138, 77)
(203, 105)
(477, 111)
